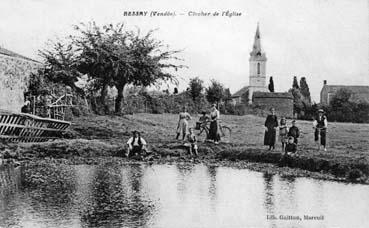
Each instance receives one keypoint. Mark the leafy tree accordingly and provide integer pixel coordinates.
(175, 90)
(342, 96)
(341, 107)
(298, 105)
(60, 64)
(305, 92)
(196, 87)
(271, 84)
(295, 84)
(245, 97)
(116, 57)
(215, 92)
(227, 93)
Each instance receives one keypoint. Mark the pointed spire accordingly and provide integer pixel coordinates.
(257, 50)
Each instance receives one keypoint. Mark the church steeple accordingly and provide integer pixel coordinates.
(257, 68)
(257, 51)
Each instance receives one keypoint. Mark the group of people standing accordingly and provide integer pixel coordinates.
(183, 127)
(187, 132)
(289, 136)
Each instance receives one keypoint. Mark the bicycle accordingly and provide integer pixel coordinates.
(225, 131)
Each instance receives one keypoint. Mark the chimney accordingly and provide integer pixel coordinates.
(325, 82)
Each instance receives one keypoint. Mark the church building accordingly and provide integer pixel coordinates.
(257, 92)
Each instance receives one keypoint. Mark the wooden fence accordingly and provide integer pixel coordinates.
(20, 127)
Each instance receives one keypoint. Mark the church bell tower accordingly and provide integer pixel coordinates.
(257, 62)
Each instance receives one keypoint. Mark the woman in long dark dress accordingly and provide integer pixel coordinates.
(271, 124)
(214, 125)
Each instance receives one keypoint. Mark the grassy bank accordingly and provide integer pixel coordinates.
(95, 136)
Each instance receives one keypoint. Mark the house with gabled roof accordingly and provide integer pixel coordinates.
(359, 93)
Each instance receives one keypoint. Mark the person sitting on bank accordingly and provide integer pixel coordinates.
(136, 144)
(294, 132)
(320, 125)
(291, 146)
(192, 142)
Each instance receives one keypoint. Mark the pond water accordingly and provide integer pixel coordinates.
(181, 195)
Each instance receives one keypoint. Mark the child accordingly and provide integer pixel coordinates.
(294, 132)
(191, 137)
(291, 147)
(283, 131)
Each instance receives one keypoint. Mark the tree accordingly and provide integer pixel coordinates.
(116, 57)
(295, 84)
(341, 107)
(175, 90)
(227, 93)
(271, 84)
(298, 105)
(196, 87)
(215, 92)
(60, 64)
(305, 92)
(341, 97)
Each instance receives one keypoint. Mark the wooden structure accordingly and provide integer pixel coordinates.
(57, 108)
(21, 127)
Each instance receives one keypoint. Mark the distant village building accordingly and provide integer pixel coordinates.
(15, 71)
(359, 93)
(257, 92)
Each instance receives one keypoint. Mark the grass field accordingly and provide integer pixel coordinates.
(344, 139)
(347, 156)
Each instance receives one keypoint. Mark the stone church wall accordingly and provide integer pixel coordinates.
(14, 77)
(282, 104)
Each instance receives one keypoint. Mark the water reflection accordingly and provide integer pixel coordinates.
(116, 198)
(212, 171)
(182, 195)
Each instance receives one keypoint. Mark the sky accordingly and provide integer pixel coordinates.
(316, 39)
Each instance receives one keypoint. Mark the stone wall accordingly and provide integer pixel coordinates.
(282, 102)
(14, 77)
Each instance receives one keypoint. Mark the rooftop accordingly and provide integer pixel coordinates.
(241, 92)
(4, 51)
(355, 89)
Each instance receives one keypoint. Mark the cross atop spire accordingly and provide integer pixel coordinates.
(257, 50)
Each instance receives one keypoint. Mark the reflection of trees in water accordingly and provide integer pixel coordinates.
(50, 188)
(111, 205)
(9, 184)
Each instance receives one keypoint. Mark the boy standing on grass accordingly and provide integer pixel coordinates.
(192, 142)
(294, 132)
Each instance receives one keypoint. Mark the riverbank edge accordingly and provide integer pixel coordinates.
(83, 151)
